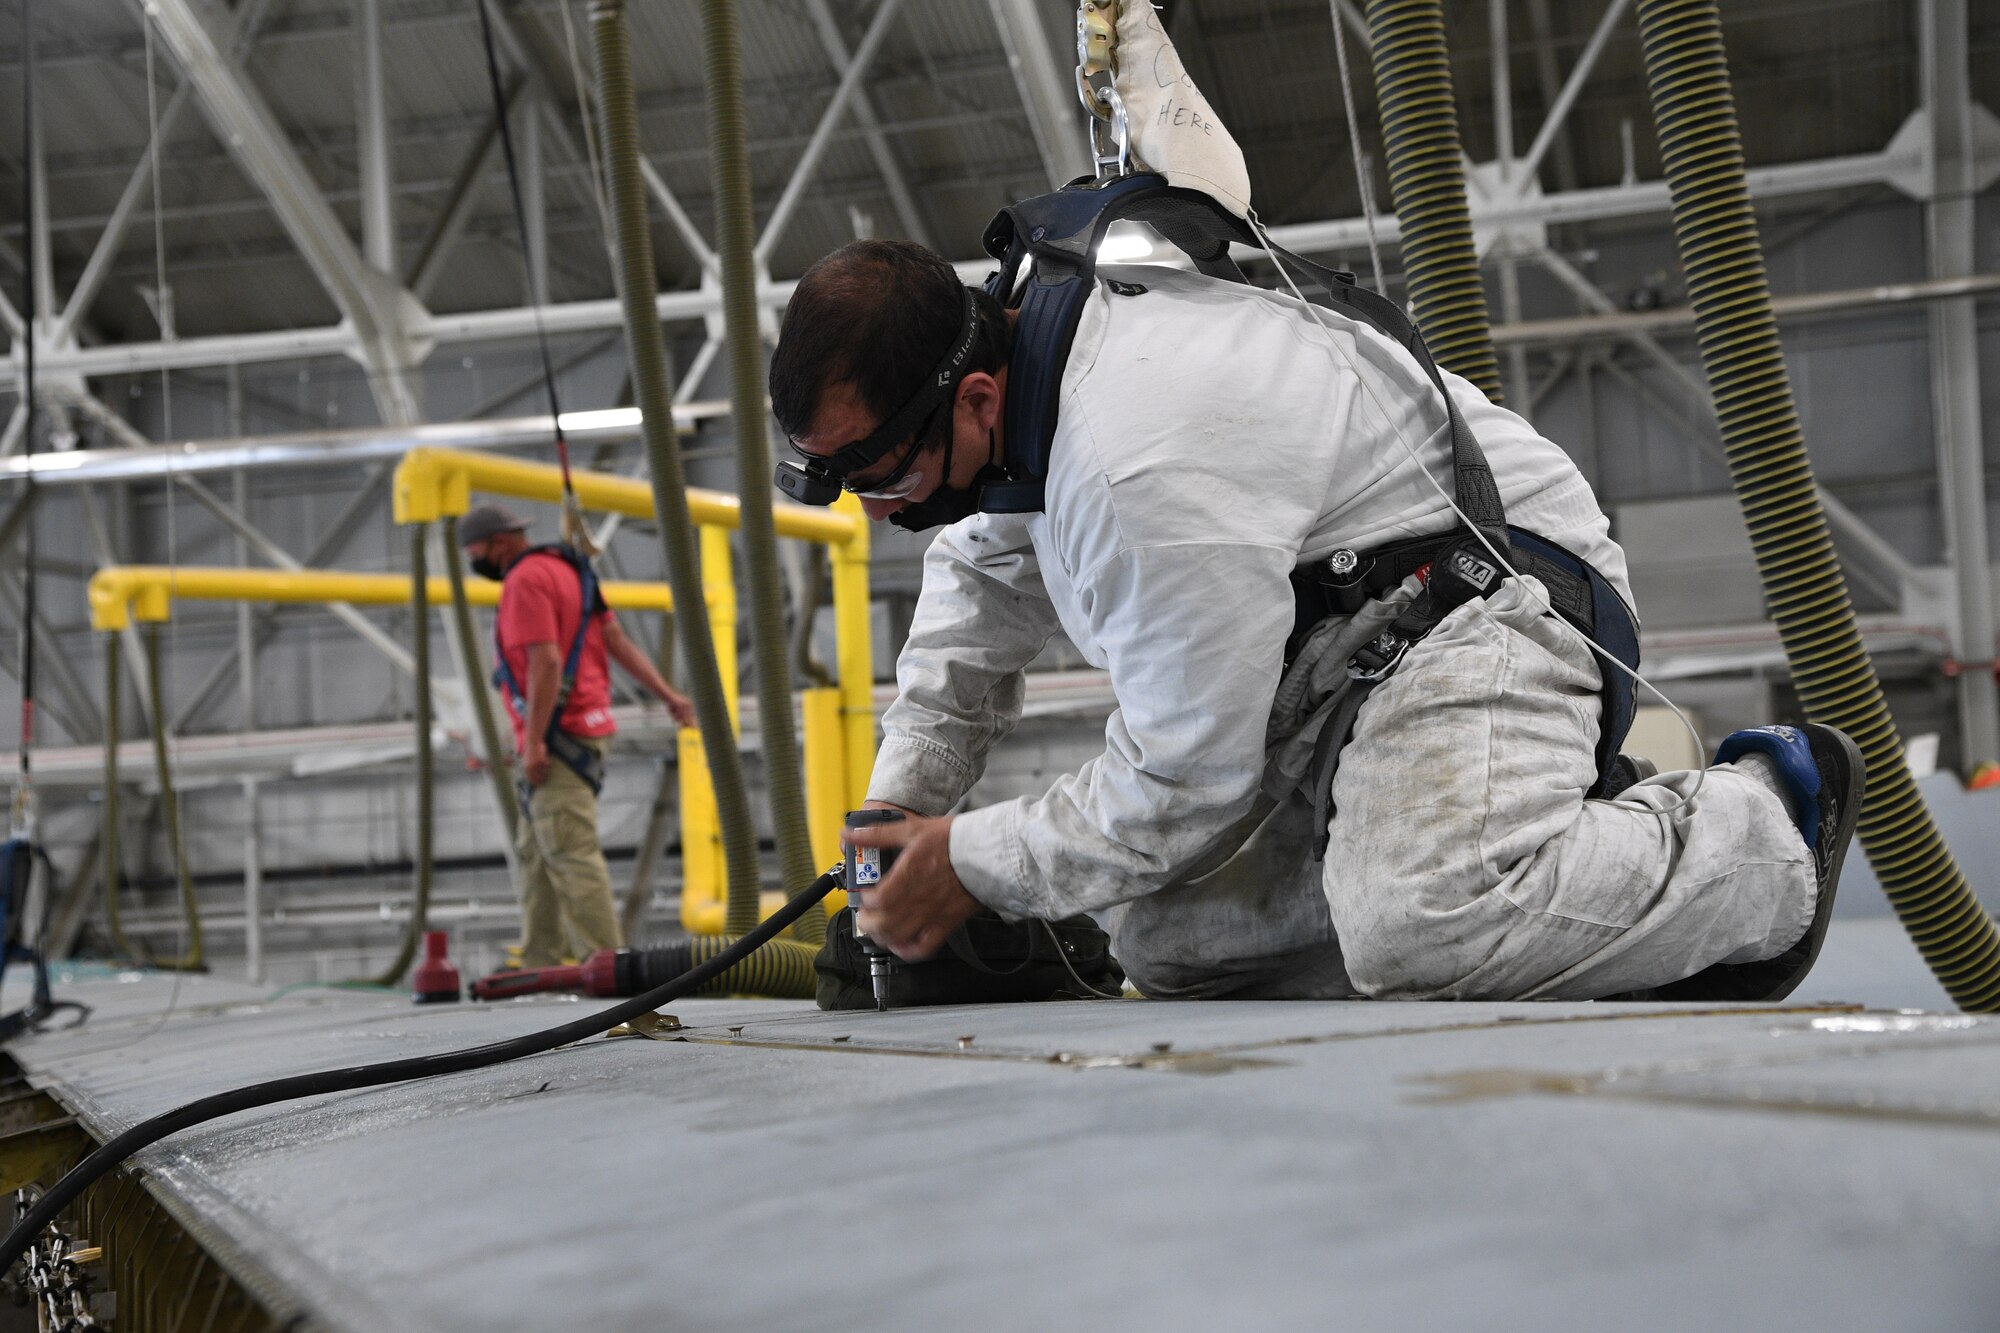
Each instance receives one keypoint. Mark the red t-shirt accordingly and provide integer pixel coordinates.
(540, 602)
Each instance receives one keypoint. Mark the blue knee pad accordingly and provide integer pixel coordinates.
(1791, 752)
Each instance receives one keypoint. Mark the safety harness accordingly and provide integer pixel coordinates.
(586, 762)
(17, 867)
(1057, 236)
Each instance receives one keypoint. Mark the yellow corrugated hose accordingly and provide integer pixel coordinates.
(782, 967)
(1420, 137)
(1695, 113)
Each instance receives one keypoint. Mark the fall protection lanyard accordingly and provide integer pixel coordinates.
(573, 529)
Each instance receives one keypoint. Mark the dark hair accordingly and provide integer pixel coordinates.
(879, 314)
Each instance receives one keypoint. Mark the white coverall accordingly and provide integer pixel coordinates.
(1209, 442)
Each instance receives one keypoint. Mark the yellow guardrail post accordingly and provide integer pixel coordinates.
(839, 730)
(854, 639)
(704, 873)
(825, 749)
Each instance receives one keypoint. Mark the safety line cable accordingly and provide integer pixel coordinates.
(169, 791)
(589, 119)
(108, 1157)
(24, 794)
(1361, 179)
(1540, 601)
(572, 510)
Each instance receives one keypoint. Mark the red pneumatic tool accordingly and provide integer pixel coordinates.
(597, 976)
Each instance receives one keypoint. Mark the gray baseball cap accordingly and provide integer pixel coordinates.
(488, 521)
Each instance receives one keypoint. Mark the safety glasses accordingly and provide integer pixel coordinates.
(902, 480)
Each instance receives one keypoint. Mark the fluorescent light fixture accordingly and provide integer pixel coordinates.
(606, 418)
(56, 462)
(1124, 247)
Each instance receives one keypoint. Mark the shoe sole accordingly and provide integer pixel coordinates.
(1844, 754)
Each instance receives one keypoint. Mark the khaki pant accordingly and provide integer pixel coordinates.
(566, 904)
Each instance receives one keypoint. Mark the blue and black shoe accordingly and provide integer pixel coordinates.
(1823, 769)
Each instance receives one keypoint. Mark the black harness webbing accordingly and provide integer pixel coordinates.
(584, 761)
(1060, 233)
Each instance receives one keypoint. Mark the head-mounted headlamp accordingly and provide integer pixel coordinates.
(815, 479)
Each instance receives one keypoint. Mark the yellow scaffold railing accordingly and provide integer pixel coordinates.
(121, 594)
(839, 723)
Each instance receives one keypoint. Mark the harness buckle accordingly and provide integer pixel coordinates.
(1378, 658)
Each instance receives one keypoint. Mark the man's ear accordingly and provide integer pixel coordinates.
(979, 394)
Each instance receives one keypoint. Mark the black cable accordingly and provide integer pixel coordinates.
(148, 1132)
(28, 313)
(501, 118)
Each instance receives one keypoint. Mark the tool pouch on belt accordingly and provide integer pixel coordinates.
(985, 961)
(581, 759)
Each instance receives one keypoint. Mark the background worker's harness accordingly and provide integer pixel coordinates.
(17, 869)
(586, 762)
(1058, 235)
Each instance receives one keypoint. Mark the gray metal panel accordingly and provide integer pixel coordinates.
(1133, 1165)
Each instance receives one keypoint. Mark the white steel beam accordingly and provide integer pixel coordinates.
(1901, 574)
(1056, 117)
(1804, 305)
(1517, 386)
(333, 537)
(44, 276)
(1578, 76)
(1954, 330)
(1548, 82)
(10, 438)
(865, 115)
(371, 124)
(1349, 13)
(376, 308)
(550, 88)
(850, 83)
(689, 304)
(463, 199)
(535, 203)
(249, 18)
(1615, 201)
(398, 655)
(89, 468)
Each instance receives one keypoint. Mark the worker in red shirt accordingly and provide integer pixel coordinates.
(553, 641)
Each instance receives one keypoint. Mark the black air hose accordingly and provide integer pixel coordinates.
(1695, 112)
(147, 1132)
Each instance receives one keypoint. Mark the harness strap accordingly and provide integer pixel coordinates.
(1326, 761)
(591, 604)
(1456, 570)
(1061, 231)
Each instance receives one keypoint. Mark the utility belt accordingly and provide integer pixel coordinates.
(1459, 568)
(584, 760)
